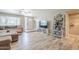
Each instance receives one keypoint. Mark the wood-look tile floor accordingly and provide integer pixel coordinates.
(41, 41)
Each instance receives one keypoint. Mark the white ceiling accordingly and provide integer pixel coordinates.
(44, 10)
(35, 11)
(9, 11)
(40, 12)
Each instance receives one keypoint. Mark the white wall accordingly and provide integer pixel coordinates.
(48, 14)
(10, 12)
(44, 13)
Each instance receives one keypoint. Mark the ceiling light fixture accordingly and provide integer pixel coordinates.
(25, 12)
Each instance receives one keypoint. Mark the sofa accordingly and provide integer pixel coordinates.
(5, 43)
(8, 36)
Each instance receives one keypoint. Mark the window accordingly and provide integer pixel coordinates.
(9, 21)
(2, 21)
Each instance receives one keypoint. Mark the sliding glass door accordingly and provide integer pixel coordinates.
(26, 23)
(29, 23)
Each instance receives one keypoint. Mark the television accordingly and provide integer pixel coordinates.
(43, 23)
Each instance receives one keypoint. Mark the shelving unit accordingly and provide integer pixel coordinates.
(59, 26)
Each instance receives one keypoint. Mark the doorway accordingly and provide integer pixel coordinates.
(30, 23)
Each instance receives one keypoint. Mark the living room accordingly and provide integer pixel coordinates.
(38, 29)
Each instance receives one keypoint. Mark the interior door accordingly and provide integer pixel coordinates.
(74, 24)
